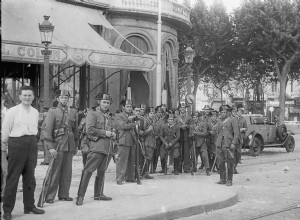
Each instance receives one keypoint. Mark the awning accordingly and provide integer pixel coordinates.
(73, 38)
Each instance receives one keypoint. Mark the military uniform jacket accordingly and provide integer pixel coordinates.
(228, 133)
(170, 134)
(149, 136)
(242, 124)
(97, 123)
(61, 129)
(199, 131)
(157, 125)
(213, 126)
(125, 128)
(180, 121)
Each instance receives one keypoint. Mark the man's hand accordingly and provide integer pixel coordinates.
(53, 153)
(141, 132)
(232, 147)
(113, 135)
(169, 145)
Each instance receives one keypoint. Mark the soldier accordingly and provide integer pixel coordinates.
(84, 142)
(228, 134)
(198, 131)
(100, 135)
(243, 128)
(213, 129)
(159, 120)
(183, 122)
(206, 118)
(125, 125)
(149, 143)
(143, 108)
(170, 135)
(61, 136)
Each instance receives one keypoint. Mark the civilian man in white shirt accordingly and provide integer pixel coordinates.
(19, 130)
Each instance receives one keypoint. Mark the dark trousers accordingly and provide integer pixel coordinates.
(125, 165)
(22, 159)
(61, 175)
(225, 156)
(186, 156)
(94, 161)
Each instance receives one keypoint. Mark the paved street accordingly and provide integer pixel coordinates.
(266, 185)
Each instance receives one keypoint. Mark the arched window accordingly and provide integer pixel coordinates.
(137, 42)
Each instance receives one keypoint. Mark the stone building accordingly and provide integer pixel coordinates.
(98, 46)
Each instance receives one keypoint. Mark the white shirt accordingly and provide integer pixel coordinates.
(18, 122)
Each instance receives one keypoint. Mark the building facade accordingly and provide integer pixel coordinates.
(99, 46)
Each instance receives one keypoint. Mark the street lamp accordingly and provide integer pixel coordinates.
(46, 31)
(189, 54)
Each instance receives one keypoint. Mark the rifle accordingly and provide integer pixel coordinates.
(48, 177)
(193, 157)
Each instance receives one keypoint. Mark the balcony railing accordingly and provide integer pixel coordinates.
(170, 9)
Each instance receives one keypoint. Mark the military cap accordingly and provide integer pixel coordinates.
(151, 110)
(239, 106)
(103, 96)
(225, 107)
(126, 102)
(143, 106)
(206, 107)
(171, 116)
(62, 92)
(213, 112)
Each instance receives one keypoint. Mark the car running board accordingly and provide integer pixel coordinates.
(273, 145)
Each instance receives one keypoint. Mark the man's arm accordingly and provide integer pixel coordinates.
(123, 123)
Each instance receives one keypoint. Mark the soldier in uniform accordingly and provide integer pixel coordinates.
(213, 129)
(206, 118)
(149, 143)
(46, 152)
(228, 134)
(159, 120)
(170, 135)
(243, 128)
(125, 124)
(61, 136)
(183, 122)
(100, 135)
(198, 132)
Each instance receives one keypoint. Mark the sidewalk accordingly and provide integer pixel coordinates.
(165, 197)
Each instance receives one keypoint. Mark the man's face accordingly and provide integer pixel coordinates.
(143, 111)
(223, 114)
(63, 99)
(128, 109)
(239, 112)
(137, 111)
(170, 121)
(234, 112)
(159, 113)
(26, 97)
(213, 117)
(151, 114)
(104, 104)
(195, 118)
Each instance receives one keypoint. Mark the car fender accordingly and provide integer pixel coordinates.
(252, 135)
(289, 134)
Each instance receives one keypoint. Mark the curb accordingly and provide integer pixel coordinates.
(193, 210)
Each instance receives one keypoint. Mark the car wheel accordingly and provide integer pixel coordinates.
(255, 148)
(282, 132)
(290, 144)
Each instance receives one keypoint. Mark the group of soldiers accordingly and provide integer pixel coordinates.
(135, 138)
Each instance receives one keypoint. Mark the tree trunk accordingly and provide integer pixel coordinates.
(246, 100)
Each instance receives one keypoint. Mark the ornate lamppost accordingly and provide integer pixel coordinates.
(46, 31)
(189, 54)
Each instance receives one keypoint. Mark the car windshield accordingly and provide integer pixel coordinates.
(259, 120)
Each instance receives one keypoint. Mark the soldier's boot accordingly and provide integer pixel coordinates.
(99, 187)
(176, 162)
(165, 167)
(230, 173)
(222, 174)
(84, 182)
(162, 162)
(146, 175)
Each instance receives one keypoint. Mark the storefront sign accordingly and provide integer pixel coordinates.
(14, 51)
(123, 61)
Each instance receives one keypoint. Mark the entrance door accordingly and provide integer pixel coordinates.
(139, 88)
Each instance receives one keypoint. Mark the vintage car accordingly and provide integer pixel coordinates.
(262, 133)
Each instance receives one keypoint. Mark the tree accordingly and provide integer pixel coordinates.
(271, 29)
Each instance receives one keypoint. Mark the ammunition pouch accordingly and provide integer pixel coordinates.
(59, 132)
(93, 138)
